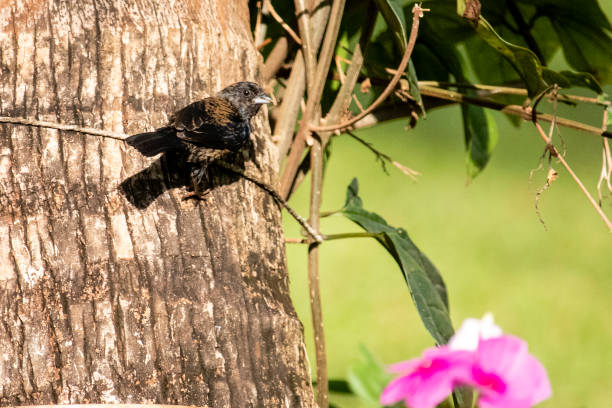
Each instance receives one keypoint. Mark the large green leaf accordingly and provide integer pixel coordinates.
(424, 281)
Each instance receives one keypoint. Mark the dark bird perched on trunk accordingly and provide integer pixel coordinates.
(206, 129)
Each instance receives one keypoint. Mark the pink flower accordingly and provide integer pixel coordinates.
(507, 376)
(428, 380)
(498, 366)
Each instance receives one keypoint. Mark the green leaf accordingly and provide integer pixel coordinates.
(586, 49)
(584, 33)
(479, 129)
(536, 77)
(394, 17)
(436, 279)
(522, 59)
(424, 281)
(480, 137)
(368, 377)
(568, 79)
(393, 14)
(339, 386)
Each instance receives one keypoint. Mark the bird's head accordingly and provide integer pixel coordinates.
(247, 97)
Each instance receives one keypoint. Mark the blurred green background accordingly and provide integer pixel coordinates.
(551, 287)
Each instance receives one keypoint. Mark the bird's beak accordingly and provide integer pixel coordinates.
(262, 99)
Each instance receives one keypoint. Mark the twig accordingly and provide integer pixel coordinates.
(257, 31)
(417, 13)
(316, 171)
(290, 106)
(60, 126)
(121, 136)
(359, 105)
(549, 149)
(508, 90)
(296, 85)
(339, 69)
(606, 165)
(382, 157)
(574, 176)
(315, 90)
(313, 112)
(280, 21)
(275, 59)
(296, 241)
(264, 43)
(270, 190)
(345, 235)
(332, 237)
(309, 49)
(523, 113)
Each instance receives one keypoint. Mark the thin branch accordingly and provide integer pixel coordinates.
(275, 59)
(296, 85)
(559, 157)
(508, 90)
(257, 31)
(385, 157)
(316, 171)
(523, 113)
(606, 165)
(60, 126)
(296, 241)
(313, 112)
(264, 43)
(345, 235)
(289, 108)
(121, 136)
(339, 69)
(332, 237)
(315, 90)
(280, 21)
(417, 13)
(270, 190)
(305, 27)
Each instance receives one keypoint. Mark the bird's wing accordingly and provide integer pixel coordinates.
(208, 123)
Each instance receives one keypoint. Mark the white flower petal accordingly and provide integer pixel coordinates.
(472, 330)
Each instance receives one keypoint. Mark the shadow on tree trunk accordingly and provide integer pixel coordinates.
(170, 171)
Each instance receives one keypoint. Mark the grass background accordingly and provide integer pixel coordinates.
(551, 287)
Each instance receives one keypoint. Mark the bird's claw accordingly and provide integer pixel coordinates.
(196, 195)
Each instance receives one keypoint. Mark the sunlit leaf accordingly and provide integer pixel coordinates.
(523, 60)
(424, 281)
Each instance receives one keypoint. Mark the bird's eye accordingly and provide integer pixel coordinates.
(246, 92)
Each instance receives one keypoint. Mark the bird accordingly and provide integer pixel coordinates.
(206, 129)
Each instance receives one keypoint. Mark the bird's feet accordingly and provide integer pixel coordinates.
(196, 195)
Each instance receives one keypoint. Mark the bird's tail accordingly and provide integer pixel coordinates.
(152, 143)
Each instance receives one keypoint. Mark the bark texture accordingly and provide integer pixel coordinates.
(112, 289)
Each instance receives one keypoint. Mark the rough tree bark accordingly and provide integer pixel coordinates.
(112, 289)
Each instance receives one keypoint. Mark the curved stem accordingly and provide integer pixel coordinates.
(417, 12)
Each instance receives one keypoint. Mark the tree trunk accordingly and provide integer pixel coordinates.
(113, 289)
